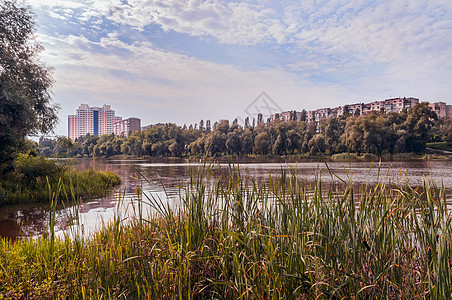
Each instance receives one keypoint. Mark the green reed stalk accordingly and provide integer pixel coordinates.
(234, 238)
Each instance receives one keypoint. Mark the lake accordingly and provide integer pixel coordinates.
(165, 175)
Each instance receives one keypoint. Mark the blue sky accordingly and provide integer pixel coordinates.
(185, 60)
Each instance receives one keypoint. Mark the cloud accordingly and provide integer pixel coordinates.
(56, 15)
(175, 87)
(227, 22)
(186, 58)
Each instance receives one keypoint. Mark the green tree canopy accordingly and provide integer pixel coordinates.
(26, 106)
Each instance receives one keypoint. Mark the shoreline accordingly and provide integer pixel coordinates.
(249, 244)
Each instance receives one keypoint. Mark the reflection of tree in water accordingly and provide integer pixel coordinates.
(9, 229)
(26, 222)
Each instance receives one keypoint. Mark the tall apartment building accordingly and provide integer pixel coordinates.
(127, 127)
(92, 120)
(442, 109)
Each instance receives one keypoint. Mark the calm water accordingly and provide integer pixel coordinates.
(165, 175)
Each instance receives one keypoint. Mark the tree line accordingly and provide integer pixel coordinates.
(376, 133)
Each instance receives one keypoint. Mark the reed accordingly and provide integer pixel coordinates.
(232, 238)
(87, 184)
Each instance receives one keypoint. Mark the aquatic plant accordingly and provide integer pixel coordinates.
(232, 238)
(30, 180)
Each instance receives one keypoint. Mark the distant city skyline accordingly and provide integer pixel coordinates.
(183, 61)
(103, 120)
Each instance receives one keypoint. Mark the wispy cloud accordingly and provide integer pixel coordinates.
(215, 55)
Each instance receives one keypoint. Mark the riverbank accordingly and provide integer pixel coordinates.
(35, 178)
(444, 147)
(429, 154)
(236, 239)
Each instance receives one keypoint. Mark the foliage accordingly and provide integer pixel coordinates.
(375, 133)
(236, 239)
(445, 146)
(25, 83)
(34, 177)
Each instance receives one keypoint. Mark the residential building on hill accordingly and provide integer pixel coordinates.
(442, 109)
(92, 120)
(126, 127)
(357, 109)
(286, 116)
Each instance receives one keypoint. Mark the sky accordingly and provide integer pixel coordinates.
(182, 61)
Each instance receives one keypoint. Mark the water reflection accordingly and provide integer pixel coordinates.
(164, 176)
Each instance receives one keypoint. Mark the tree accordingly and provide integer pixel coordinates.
(247, 141)
(215, 143)
(222, 126)
(261, 143)
(332, 129)
(260, 118)
(25, 83)
(419, 122)
(233, 142)
(65, 144)
(345, 111)
(175, 148)
(304, 116)
(353, 135)
(293, 141)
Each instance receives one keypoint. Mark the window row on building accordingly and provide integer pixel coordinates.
(386, 106)
(126, 127)
(98, 121)
(442, 109)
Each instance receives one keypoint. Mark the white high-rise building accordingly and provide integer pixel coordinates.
(92, 120)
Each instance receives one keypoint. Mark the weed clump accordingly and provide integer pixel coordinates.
(32, 176)
(232, 238)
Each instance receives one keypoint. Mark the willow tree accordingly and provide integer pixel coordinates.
(26, 105)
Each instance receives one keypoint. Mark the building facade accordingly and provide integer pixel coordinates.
(357, 109)
(126, 127)
(442, 109)
(286, 116)
(93, 120)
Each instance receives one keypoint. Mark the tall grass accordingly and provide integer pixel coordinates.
(30, 181)
(232, 238)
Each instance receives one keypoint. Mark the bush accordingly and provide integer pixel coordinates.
(344, 156)
(34, 177)
(31, 168)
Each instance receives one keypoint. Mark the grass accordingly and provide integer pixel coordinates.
(447, 146)
(235, 239)
(32, 177)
